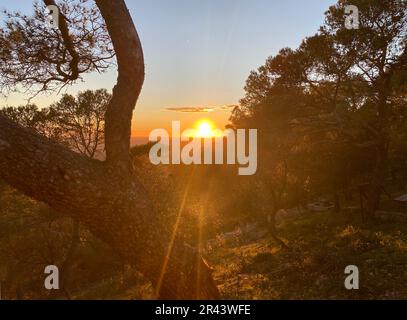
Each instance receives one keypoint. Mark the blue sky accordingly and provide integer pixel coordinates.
(200, 52)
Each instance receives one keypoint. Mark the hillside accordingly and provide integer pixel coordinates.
(321, 246)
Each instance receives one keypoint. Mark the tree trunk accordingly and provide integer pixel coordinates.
(379, 173)
(114, 206)
(105, 196)
(130, 61)
(376, 184)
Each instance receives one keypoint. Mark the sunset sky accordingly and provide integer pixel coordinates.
(198, 54)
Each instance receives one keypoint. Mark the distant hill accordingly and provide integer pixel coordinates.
(138, 140)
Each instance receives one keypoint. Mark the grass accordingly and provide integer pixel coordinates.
(129, 285)
(321, 246)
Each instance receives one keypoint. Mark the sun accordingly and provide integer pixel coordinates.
(205, 129)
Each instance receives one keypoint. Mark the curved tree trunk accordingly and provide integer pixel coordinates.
(105, 196)
(130, 61)
(114, 206)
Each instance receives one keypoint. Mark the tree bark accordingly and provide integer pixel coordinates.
(114, 206)
(105, 196)
(130, 61)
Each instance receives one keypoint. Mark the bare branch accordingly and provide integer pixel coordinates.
(38, 58)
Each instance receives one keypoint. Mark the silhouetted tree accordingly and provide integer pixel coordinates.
(379, 52)
(104, 196)
(340, 91)
(81, 120)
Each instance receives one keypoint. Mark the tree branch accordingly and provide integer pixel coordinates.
(63, 27)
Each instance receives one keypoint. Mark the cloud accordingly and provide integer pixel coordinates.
(228, 107)
(191, 109)
(199, 109)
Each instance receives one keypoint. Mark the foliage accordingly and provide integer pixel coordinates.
(40, 58)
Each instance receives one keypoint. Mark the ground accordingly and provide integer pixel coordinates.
(321, 246)
(248, 265)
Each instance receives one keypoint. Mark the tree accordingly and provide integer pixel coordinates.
(53, 58)
(348, 88)
(77, 122)
(81, 120)
(272, 123)
(33, 118)
(26, 116)
(379, 50)
(105, 196)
